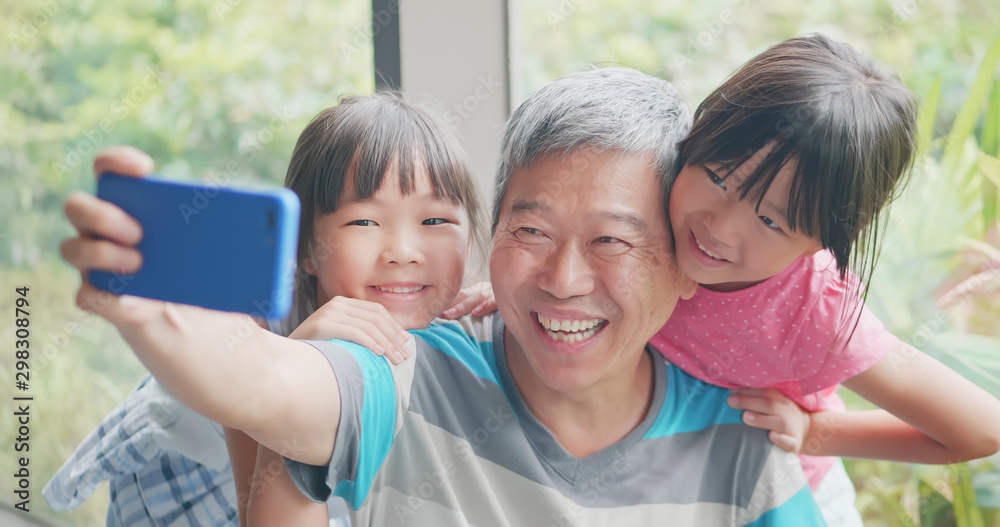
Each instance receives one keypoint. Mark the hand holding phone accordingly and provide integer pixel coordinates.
(218, 248)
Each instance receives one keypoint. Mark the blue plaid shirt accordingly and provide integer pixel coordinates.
(166, 465)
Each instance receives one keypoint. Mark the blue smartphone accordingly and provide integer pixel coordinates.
(207, 245)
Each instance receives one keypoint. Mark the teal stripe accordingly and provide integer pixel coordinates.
(691, 405)
(449, 338)
(378, 422)
(800, 509)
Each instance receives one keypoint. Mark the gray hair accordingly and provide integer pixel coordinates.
(605, 109)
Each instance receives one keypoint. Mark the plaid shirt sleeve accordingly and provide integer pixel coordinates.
(145, 448)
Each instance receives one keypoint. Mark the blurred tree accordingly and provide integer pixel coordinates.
(197, 84)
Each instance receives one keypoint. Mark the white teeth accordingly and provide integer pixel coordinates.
(710, 253)
(570, 330)
(400, 289)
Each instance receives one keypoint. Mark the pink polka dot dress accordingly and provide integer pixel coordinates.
(788, 332)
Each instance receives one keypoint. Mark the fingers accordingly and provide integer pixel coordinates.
(766, 421)
(384, 323)
(90, 215)
(124, 160)
(366, 323)
(455, 311)
(121, 310)
(784, 442)
(376, 332)
(486, 307)
(475, 300)
(758, 392)
(361, 334)
(87, 253)
(771, 410)
(752, 403)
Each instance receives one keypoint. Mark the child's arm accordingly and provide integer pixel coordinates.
(243, 459)
(276, 501)
(366, 323)
(222, 365)
(948, 419)
(930, 415)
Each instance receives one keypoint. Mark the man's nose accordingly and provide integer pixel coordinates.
(567, 273)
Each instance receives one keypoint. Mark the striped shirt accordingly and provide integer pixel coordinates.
(446, 439)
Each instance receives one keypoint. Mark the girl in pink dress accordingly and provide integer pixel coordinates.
(786, 172)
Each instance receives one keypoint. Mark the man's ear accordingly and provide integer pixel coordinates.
(687, 287)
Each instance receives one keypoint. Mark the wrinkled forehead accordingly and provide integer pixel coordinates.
(588, 186)
(565, 175)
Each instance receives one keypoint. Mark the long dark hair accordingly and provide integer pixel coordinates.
(848, 123)
(361, 138)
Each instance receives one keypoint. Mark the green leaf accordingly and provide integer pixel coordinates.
(987, 482)
(935, 509)
(991, 123)
(966, 119)
(990, 167)
(967, 513)
(927, 117)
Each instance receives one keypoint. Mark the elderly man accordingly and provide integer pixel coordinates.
(555, 412)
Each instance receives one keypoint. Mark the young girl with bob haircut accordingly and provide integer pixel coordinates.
(786, 174)
(390, 213)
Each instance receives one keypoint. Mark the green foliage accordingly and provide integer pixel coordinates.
(202, 83)
(202, 86)
(961, 130)
(945, 220)
(198, 84)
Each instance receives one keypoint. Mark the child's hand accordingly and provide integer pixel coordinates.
(476, 300)
(359, 321)
(772, 410)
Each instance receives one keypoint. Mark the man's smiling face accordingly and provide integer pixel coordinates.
(583, 268)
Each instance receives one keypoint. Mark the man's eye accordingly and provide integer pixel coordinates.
(530, 230)
(716, 179)
(609, 239)
(434, 221)
(363, 223)
(768, 222)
